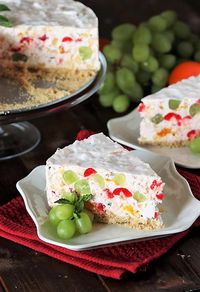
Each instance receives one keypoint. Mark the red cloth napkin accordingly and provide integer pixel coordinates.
(111, 261)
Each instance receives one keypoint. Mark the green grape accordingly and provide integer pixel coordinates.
(197, 46)
(83, 224)
(66, 229)
(112, 53)
(123, 32)
(72, 197)
(82, 187)
(99, 179)
(120, 179)
(140, 52)
(64, 211)
(160, 77)
(185, 49)
(194, 109)
(125, 79)
(89, 213)
(69, 176)
(194, 38)
(181, 30)
(106, 100)
(161, 43)
(109, 83)
(125, 47)
(128, 62)
(121, 103)
(157, 119)
(150, 65)
(157, 23)
(136, 92)
(174, 104)
(195, 145)
(139, 197)
(197, 56)
(167, 61)
(143, 77)
(170, 16)
(169, 35)
(53, 219)
(85, 53)
(142, 35)
(155, 88)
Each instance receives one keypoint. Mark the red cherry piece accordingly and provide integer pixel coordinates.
(160, 196)
(198, 101)
(109, 193)
(156, 214)
(89, 171)
(67, 39)
(100, 207)
(124, 191)
(26, 40)
(191, 135)
(169, 116)
(43, 38)
(141, 107)
(15, 49)
(78, 40)
(187, 118)
(155, 184)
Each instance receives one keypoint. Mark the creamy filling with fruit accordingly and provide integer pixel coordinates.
(64, 35)
(120, 184)
(172, 114)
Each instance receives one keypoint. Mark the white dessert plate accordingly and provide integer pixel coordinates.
(125, 130)
(181, 209)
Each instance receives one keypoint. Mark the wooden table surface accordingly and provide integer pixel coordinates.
(22, 269)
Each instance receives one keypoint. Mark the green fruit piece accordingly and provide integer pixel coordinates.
(84, 223)
(197, 56)
(136, 92)
(143, 77)
(125, 79)
(64, 211)
(106, 100)
(155, 88)
(120, 179)
(121, 103)
(112, 53)
(82, 187)
(174, 104)
(157, 23)
(161, 43)
(181, 30)
(185, 49)
(169, 35)
(72, 197)
(52, 217)
(142, 35)
(123, 46)
(66, 229)
(19, 57)
(109, 83)
(157, 119)
(167, 61)
(194, 109)
(170, 17)
(195, 145)
(69, 176)
(123, 32)
(140, 52)
(150, 65)
(139, 197)
(89, 213)
(160, 77)
(128, 62)
(99, 179)
(85, 53)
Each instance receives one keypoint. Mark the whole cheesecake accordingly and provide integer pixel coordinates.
(55, 39)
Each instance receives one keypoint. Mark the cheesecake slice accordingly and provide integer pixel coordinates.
(124, 189)
(54, 39)
(171, 117)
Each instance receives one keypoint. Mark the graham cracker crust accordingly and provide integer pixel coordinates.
(44, 85)
(174, 144)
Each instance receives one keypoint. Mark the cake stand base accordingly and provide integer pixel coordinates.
(17, 139)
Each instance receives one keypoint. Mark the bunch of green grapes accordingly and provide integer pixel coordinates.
(69, 216)
(141, 58)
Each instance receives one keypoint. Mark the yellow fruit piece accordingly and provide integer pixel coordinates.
(130, 209)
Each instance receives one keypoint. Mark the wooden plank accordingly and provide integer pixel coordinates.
(23, 269)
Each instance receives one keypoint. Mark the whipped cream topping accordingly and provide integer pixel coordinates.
(185, 89)
(42, 12)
